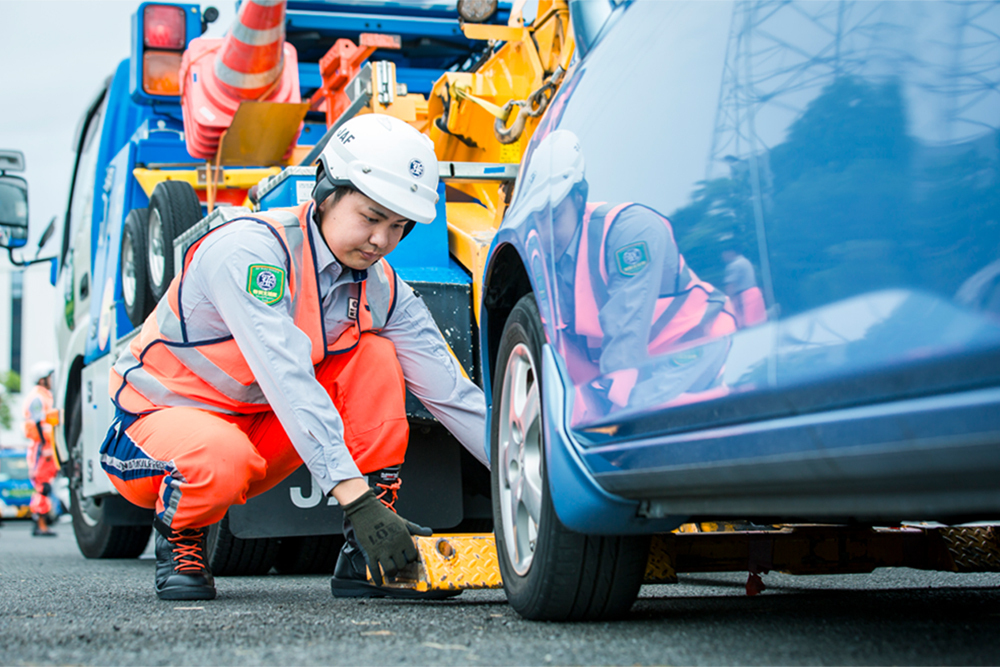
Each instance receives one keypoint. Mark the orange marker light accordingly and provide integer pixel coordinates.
(161, 72)
(163, 27)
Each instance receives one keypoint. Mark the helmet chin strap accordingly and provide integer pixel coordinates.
(322, 189)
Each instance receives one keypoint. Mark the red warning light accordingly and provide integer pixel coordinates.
(163, 27)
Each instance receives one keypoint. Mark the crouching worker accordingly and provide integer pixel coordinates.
(287, 338)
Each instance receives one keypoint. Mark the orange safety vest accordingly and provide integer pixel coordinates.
(163, 368)
(30, 427)
(693, 309)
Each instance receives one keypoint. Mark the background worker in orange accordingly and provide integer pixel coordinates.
(42, 467)
(285, 339)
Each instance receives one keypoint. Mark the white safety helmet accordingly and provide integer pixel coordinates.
(386, 159)
(556, 165)
(42, 369)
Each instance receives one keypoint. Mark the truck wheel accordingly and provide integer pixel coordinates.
(94, 535)
(134, 273)
(230, 556)
(314, 554)
(173, 208)
(549, 572)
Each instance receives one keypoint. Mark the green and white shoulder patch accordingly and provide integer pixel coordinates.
(632, 258)
(266, 282)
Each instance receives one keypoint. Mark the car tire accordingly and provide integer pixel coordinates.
(173, 209)
(549, 572)
(231, 556)
(136, 296)
(313, 554)
(95, 536)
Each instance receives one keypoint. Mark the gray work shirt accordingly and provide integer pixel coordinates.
(216, 303)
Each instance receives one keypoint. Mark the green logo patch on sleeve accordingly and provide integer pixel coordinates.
(266, 283)
(632, 258)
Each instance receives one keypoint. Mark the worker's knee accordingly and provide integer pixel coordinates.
(223, 469)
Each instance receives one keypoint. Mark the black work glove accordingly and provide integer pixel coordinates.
(383, 535)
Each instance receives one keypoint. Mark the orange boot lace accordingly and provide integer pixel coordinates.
(390, 490)
(188, 554)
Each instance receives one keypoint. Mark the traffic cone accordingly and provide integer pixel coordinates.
(252, 62)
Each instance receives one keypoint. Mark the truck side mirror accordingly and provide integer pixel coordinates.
(13, 211)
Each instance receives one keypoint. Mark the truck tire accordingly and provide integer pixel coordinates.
(314, 554)
(136, 296)
(549, 572)
(230, 556)
(95, 536)
(173, 209)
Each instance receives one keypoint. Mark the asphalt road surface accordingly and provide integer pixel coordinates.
(58, 608)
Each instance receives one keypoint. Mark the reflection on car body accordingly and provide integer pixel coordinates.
(623, 294)
(834, 168)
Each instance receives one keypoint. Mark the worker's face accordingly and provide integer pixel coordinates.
(360, 231)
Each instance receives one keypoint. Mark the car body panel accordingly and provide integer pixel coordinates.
(850, 153)
(15, 489)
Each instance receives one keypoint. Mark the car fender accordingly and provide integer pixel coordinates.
(580, 503)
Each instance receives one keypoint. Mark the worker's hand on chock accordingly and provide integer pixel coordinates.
(384, 536)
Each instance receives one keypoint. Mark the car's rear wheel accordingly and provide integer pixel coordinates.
(549, 572)
(136, 296)
(95, 535)
(173, 208)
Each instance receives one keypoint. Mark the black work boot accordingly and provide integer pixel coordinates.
(350, 576)
(41, 528)
(182, 571)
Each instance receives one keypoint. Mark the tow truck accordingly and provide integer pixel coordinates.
(165, 152)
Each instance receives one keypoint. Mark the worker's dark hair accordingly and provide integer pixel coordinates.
(339, 192)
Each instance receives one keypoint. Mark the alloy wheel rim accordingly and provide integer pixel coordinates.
(157, 260)
(520, 458)
(128, 271)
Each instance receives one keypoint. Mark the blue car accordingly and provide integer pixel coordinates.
(15, 489)
(750, 270)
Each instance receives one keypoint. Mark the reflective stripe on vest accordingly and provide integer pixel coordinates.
(692, 309)
(162, 367)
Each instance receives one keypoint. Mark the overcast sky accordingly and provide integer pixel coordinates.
(55, 55)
